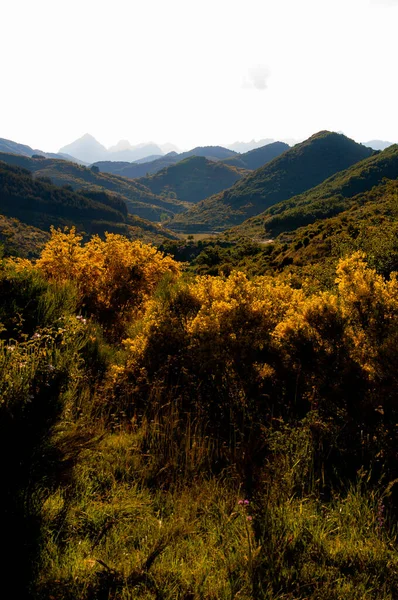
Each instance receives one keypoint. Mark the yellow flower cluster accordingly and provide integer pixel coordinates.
(114, 274)
(235, 317)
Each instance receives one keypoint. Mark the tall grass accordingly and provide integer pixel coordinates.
(123, 528)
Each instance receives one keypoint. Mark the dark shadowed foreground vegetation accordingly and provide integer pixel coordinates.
(171, 437)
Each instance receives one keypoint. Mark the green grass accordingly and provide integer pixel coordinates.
(110, 534)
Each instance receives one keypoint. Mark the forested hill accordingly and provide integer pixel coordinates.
(193, 179)
(140, 200)
(369, 224)
(331, 197)
(356, 209)
(295, 171)
(39, 203)
(254, 159)
(142, 169)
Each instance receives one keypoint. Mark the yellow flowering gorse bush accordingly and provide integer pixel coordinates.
(113, 276)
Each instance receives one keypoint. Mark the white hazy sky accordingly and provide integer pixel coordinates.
(197, 72)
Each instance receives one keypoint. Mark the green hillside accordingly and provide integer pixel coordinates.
(19, 239)
(325, 200)
(311, 252)
(356, 209)
(254, 159)
(140, 201)
(135, 170)
(369, 224)
(192, 179)
(38, 203)
(142, 169)
(295, 171)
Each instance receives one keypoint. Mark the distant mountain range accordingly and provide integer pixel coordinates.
(293, 172)
(247, 146)
(378, 144)
(88, 149)
(243, 147)
(142, 169)
(249, 160)
(11, 147)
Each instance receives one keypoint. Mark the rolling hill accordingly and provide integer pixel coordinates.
(140, 200)
(369, 224)
(356, 209)
(295, 171)
(39, 203)
(331, 197)
(192, 179)
(142, 169)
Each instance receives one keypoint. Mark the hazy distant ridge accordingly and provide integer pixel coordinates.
(10, 147)
(88, 149)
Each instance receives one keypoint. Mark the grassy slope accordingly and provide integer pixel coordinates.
(192, 179)
(20, 239)
(295, 171)
(140, 200)
(369, 224)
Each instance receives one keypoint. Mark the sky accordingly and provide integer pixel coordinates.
(191, 72)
